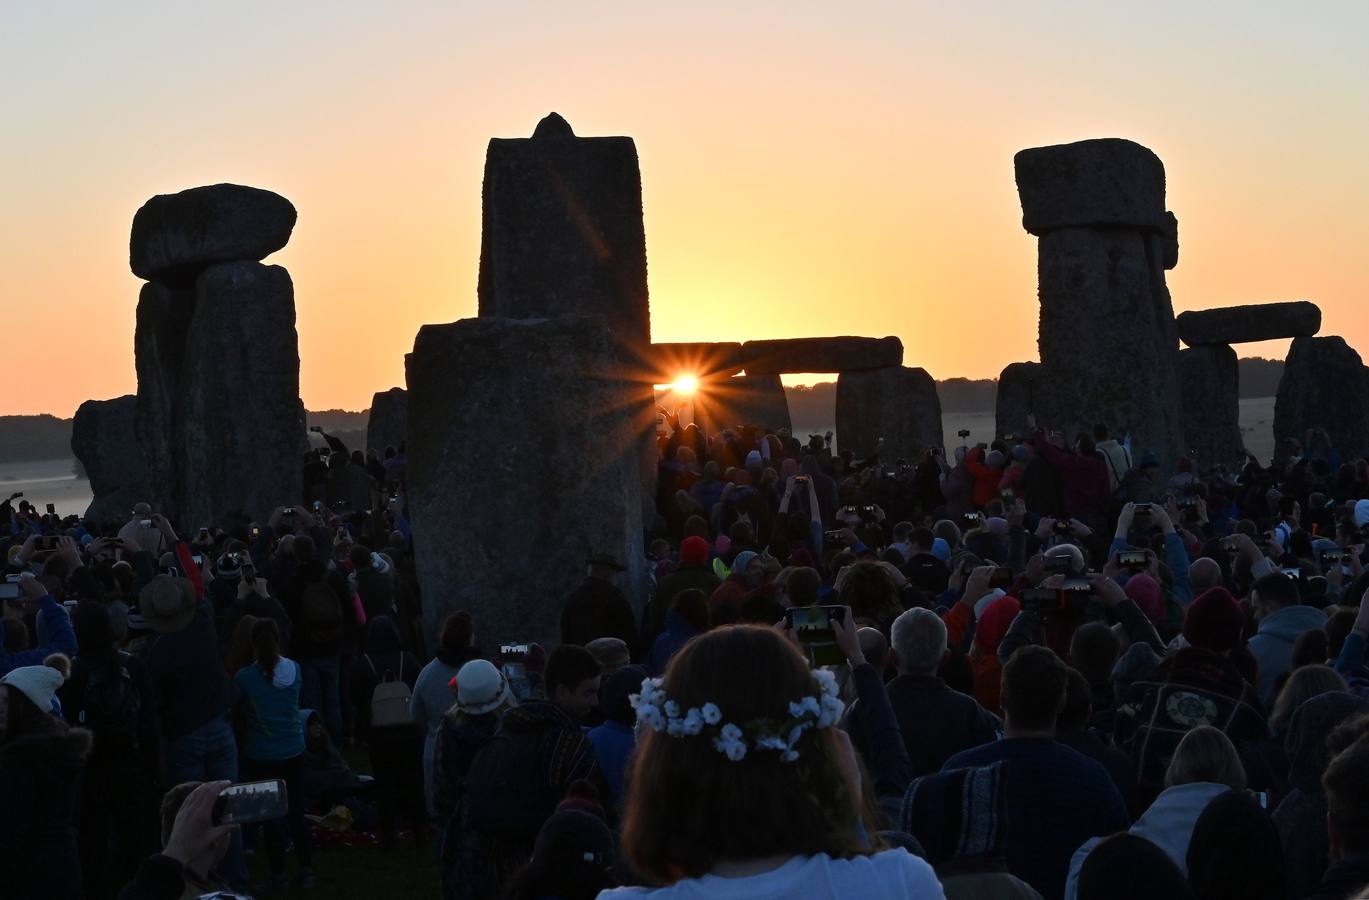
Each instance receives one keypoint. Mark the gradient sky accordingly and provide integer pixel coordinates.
(808, 169)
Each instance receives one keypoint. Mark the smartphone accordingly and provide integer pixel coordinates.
(1063, 527)
(1001, 578)
(52, 509)
(1229, 545)
(1056, 565)
(13, 579)
(1143, 509)
(973, 517)
(253, 801)
(1041, 600)
(1332, 556)
(812, 625)
(256, 531)
(513, 650)
(9, 590)
(964, 433)
(1132, 559)
(834, 537)
(203, 536)
(198, 558)
(1293, 573)
(288, 511)
(1007, 494)
(146, 523)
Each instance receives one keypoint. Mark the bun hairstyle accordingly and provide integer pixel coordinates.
(754, 806)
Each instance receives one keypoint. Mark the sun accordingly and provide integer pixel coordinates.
(685, 385)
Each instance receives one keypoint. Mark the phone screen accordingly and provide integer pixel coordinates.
(253, 801)
(9, 591)
(812, 625)
(1132, 559)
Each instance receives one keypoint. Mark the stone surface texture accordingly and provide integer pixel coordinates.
(242, 429)
(176, 235)
(1109, 352)
(1171, 244)
(104, 438)
(897, 404)
(388, 423)
(562, 230)
(1103, 183)
(1250, 323)
(508, 505)
(163, 326)
(1016, 392)
(1211, 387)
(1324, 385)
(822, 354)
(743, 400)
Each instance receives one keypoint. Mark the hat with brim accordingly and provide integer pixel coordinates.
(480, 688)
(167, 603)
(607, 561)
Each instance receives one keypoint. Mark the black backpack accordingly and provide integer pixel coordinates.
(321, 613)
(111, 706)
(506, 790)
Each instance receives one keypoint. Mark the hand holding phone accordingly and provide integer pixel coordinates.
(252, 801)
(812, 626)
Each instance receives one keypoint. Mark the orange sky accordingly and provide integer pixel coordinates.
(807, 169)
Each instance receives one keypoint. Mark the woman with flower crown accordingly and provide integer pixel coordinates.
(743, 787)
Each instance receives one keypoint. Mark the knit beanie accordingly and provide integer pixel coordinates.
(38, 683)
(941, 550)
(572, 839)
(994, 460)
(1147, 594)
(1022, 453)
(694, 551)
(1214, 621)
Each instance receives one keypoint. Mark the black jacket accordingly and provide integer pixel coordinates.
(187, 676)
(39, 796)
(598, 609)
(936, 722)
(1343, 878)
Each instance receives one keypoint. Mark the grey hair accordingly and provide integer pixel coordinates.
(919, 639)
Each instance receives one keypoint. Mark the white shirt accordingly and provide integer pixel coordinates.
(894, 874)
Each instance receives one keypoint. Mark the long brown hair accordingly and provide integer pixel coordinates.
(266, 645)
(240, 651)
(689, 806)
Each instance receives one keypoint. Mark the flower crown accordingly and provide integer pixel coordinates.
(660, 714)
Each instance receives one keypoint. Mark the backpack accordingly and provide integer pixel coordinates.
(321, 614)
(111, 706)
(507, 794)
(390, 699)
(1150, 728)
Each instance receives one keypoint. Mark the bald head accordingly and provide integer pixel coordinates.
(874, 646)
(1204, 573)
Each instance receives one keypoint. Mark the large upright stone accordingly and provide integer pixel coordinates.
(1250, 323)
(163, 327)
(1212, 408)
(104, 438)
(743, 400)
(826, 354)
(176, 235)
(562, 230)
(897, 404)
(507, 505)
(1016, 393)
(242, 425)
(1324, 385)
(1102, 183)
(1108, 345)
(388, 423)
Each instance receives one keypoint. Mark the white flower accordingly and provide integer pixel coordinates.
(651, 717)
(810, 705)
(693, 722)
(674, 727)
(832, 708)
(730, 732)
(672, 709)
(712, 715)
(790, 756)
(827, 681)
(770, 742)
(795, 733)
(734, 749)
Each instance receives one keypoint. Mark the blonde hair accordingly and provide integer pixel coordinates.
(1206, 754)
(1304, 684)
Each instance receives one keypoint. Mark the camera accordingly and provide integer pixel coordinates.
(1132, 559)
(964, 433)
(813, 627)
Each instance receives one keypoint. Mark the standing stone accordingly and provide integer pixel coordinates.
(562, 230)
(1016, 392)
(388, 423)
(897, 404)
(242, 424)
(176, 235)
(1212, 408)
(1171, 241)
(830, 354)
(1108, 345)
(743, 400)
(1249, 323)
(1324, 385)
(104, 438)
(526, 465)
(163, 326)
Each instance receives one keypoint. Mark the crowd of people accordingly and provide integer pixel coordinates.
(1037, 668)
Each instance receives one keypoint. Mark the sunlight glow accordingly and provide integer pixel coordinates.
(685, 385)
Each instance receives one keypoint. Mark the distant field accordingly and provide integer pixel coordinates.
(47, 481)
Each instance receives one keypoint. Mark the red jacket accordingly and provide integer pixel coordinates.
(986, 478)
(1085, 478)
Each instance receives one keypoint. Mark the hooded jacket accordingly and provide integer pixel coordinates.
(1272, 644)
(274, 729)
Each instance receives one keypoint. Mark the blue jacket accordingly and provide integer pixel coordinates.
(1272, 644)
(63, 639)
(676, 634)
(275, 729)
(613, 744)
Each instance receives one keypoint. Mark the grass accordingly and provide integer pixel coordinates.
(363, 872)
